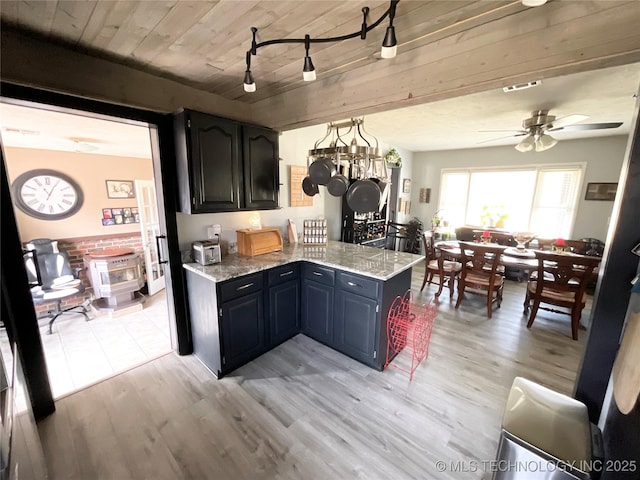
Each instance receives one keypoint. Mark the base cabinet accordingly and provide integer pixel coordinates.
(284, 304)
(235, 321)
(355, 324)
(243, 330)
(317, 311)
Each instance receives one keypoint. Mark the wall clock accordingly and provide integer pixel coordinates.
(47, 194)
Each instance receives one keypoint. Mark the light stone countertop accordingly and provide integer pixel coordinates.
(368, 261)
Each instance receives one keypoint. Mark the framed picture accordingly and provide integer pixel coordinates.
(406, 185)
(601, 191)
(106, 213)
(425, 195)
(108, 221)
(120, 189)
(126, 212)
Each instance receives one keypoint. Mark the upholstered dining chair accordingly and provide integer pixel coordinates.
(561, 280)
(52, 279)
(447, 270)
(481, 273)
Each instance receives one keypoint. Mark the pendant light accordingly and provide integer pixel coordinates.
(249, 84)
(390, 44)
(308, 72)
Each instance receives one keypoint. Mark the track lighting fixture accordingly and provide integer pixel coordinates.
(389, 44)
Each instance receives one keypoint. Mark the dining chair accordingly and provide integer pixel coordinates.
(560, 280)
(481, 273)
(447, 270)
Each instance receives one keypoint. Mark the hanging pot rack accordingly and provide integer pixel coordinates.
(360, 154)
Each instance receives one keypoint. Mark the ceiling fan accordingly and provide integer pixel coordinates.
(535, 130)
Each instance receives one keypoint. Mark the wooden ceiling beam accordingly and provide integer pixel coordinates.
(28, 61)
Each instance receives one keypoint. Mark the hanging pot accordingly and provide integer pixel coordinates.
(308, 187)
(338, 185)
(363, 196)
(322, 170)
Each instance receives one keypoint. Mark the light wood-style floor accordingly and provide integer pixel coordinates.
(304, 411)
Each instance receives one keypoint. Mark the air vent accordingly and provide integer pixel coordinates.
(21, 131)
(522, 86)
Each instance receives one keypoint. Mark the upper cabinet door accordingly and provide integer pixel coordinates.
(261, 174)
(215, 163)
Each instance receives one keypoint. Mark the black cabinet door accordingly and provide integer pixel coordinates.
(243, 330)
(317, 311)
(284, 311)
(214, 148)
(261, 173)
(355, 325)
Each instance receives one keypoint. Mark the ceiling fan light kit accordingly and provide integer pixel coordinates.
(388, 49)
(537, 126)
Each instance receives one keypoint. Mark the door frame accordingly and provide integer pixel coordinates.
(21, 320)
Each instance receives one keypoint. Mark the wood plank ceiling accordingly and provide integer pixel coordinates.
(446, 48)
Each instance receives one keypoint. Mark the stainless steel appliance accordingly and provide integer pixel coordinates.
(206, 252)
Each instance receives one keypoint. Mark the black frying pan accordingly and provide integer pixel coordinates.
(363, 196)
(308, 187)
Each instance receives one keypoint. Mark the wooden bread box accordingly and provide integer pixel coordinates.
(257, 242)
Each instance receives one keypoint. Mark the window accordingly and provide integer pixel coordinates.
(537, 199)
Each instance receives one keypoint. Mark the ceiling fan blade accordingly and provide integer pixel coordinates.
(521, 134)
(511, 130)
(564, 121)
(586, 126)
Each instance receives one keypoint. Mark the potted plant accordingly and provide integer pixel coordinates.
(393, 159)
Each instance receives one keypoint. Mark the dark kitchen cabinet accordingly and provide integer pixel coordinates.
(224, 165)
(260, 162)
(354, 327)
(242, 321)
(242, 330)
(284, 305)
(317, 303)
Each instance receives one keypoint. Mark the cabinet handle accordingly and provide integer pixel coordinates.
(286, 273)
(244, 286)
(317, 273)
(351, 284)
(158, 237)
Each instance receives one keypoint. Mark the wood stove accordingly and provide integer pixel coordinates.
(116, 276)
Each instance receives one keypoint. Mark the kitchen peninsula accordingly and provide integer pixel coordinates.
(339, 294)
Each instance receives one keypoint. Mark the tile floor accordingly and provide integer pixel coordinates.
(80, 353)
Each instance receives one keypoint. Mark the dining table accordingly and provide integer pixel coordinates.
(511, 257)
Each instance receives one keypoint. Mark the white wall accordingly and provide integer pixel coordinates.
(294, 148)
(406, 172)
(603, 157)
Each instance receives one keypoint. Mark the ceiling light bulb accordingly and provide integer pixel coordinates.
(308, 72)
(533, 3)
(389, 45)
(545, 142)
(249, 84)
(527, 144)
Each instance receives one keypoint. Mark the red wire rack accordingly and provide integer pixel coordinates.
(409, 326)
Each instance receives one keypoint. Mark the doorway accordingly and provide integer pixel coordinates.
(93, 153)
